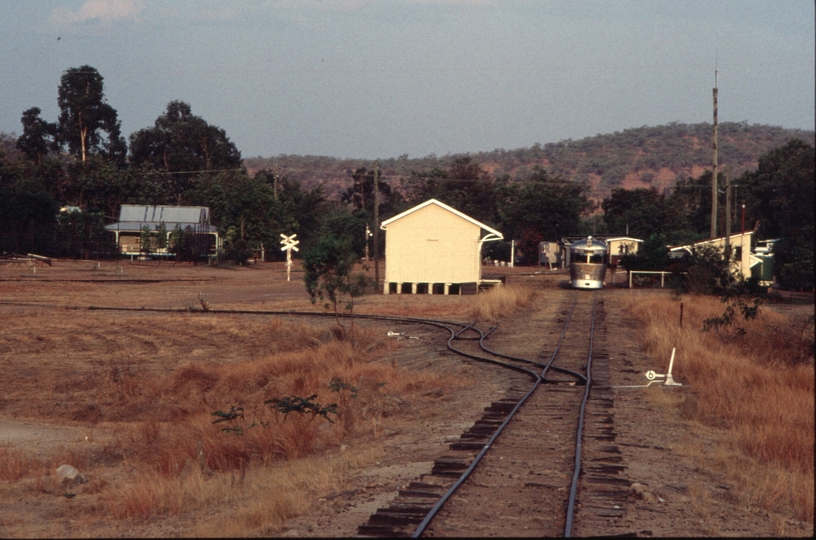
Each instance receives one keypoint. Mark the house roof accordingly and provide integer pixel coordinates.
(159, 213)
(621, 239)
(687, 247)
(133, 217)
(490, 230)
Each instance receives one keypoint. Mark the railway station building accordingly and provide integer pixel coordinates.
(434, 249)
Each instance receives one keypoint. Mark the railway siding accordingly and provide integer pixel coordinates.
(521, 486)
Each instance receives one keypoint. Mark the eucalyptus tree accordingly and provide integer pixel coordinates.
(87, 124)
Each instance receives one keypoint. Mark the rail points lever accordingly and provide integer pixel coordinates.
(669, 381)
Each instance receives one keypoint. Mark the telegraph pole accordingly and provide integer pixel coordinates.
(714, 177)
(376, 225)
(728, 209)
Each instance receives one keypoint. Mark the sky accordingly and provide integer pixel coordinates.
(375, 79)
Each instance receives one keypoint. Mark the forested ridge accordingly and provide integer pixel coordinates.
(645, 157)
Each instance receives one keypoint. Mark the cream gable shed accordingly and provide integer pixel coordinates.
(743, 260)
(434, 249)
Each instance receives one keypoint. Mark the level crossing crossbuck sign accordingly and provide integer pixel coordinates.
(288, 244)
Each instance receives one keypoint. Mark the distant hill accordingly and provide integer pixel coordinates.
(633, 158)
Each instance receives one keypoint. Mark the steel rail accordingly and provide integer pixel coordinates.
(575, 374)
(444, 499)
(577, 470)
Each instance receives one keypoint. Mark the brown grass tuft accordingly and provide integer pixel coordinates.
(15, 465)
(499, 302)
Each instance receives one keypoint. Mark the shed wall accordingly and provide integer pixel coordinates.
(432, 245)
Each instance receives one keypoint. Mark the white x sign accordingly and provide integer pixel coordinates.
(289, 244)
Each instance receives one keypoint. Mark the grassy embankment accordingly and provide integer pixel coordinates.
(759, 386)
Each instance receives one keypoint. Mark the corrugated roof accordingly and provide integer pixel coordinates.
(136, 226)
(166, 214)
(132, 217)
(687, 247)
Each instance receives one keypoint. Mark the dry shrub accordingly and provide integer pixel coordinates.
(757, 385)
(499, 302)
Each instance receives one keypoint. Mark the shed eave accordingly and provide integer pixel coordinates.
(486, 238)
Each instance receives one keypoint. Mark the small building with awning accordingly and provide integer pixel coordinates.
(134, 218)
(745, 259)
(434, 249)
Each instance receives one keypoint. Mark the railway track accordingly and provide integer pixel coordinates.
(516, 471)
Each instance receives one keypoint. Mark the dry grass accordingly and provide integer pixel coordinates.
(759, 385)
(296, 483)
(179, 450)
(154, 380)
(16, 464)
(500, 302)
(147, 384)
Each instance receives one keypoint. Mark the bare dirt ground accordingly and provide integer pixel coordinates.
(682, 495)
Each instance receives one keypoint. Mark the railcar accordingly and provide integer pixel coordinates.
(588, 263)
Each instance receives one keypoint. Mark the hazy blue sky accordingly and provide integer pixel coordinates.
(381, 78)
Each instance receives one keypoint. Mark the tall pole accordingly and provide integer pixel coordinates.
(367, 236)
(728, 209)
(376, 225)
(714, 177)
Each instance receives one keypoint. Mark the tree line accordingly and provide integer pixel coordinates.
(82, 160)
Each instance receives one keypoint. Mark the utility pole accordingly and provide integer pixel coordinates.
(714, 177)
(376, 225)
(728, 210)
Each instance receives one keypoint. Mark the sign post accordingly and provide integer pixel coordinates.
(289, 243)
